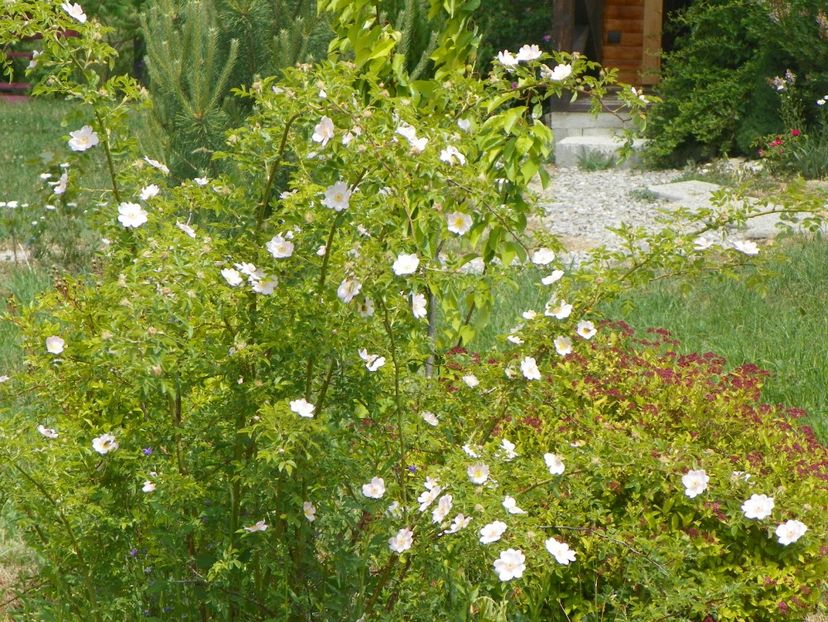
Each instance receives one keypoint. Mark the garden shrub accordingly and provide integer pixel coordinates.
(716, 89)
(249, 413)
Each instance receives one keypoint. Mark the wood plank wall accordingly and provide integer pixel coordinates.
(627, 18)
(636, 54)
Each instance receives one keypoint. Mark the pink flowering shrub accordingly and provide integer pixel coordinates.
(250, 413)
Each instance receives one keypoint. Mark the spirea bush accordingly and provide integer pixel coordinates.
(251, 412)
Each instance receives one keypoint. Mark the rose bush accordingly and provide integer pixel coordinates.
(251, 412)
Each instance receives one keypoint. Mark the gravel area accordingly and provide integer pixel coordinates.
(580, 205)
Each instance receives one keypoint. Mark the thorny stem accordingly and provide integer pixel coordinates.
(595, 531)
(105, 135)
(323, 275)
(110, 165)
(385, 574)
(274, 171)
(397, 399)
(90, 588)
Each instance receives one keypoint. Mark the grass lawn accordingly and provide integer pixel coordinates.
(32, 135)
(783, 329)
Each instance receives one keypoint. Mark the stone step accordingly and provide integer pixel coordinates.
(695, 195)
(570, 150)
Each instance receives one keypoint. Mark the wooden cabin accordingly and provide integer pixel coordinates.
(626, 34)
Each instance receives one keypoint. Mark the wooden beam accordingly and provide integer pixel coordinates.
(651, 59)
(563, 24)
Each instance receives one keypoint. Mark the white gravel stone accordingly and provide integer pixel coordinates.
(580, 205)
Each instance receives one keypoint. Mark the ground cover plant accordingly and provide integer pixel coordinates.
(247, 413)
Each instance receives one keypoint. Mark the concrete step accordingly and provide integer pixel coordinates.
(696, 195)
(570, 150)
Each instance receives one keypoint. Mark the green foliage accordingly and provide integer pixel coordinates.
(716, 91)
(198, 51)
(594, 160)
(798, 153)
(510, 24)
(208, 411)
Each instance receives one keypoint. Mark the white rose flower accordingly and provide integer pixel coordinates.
(553, 278)
(559, 310)
(758, 507)
(695, 482)
(62, 182)
(430, 418)
(560, 551)
(492, 532)
(309, 510)
(374, 489)
(402, 541)
(337, 196)
(471, 381)
(511, 506)
(348, 289)
(131, 215)
(529, 368)
(302, 407)
(104, 444)
(186, 229)
(703, 242)
(372, 361)
(563, 345)
(585, 329)
(405, 264)
(543, 256)
(439, 513)
(478, 473)
(232, 277)
(459, 522)
(507, 448)
(323, 131)
(83, 139)
(148, 486)
(427, 498)
(47, 432)
(279, 247)
(149, 192)
(55, 344)
(418, 305)
(459, 223)
(256, 527)
(528, 52)
(418, 145)
(558, 74)
(75, 11)
(507, 59)
(745, 246)
(266, 285)
(554, 464)
(790, 531)
(450, 155)
(510, 565)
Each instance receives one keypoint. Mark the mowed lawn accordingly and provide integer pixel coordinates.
(31, 135)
